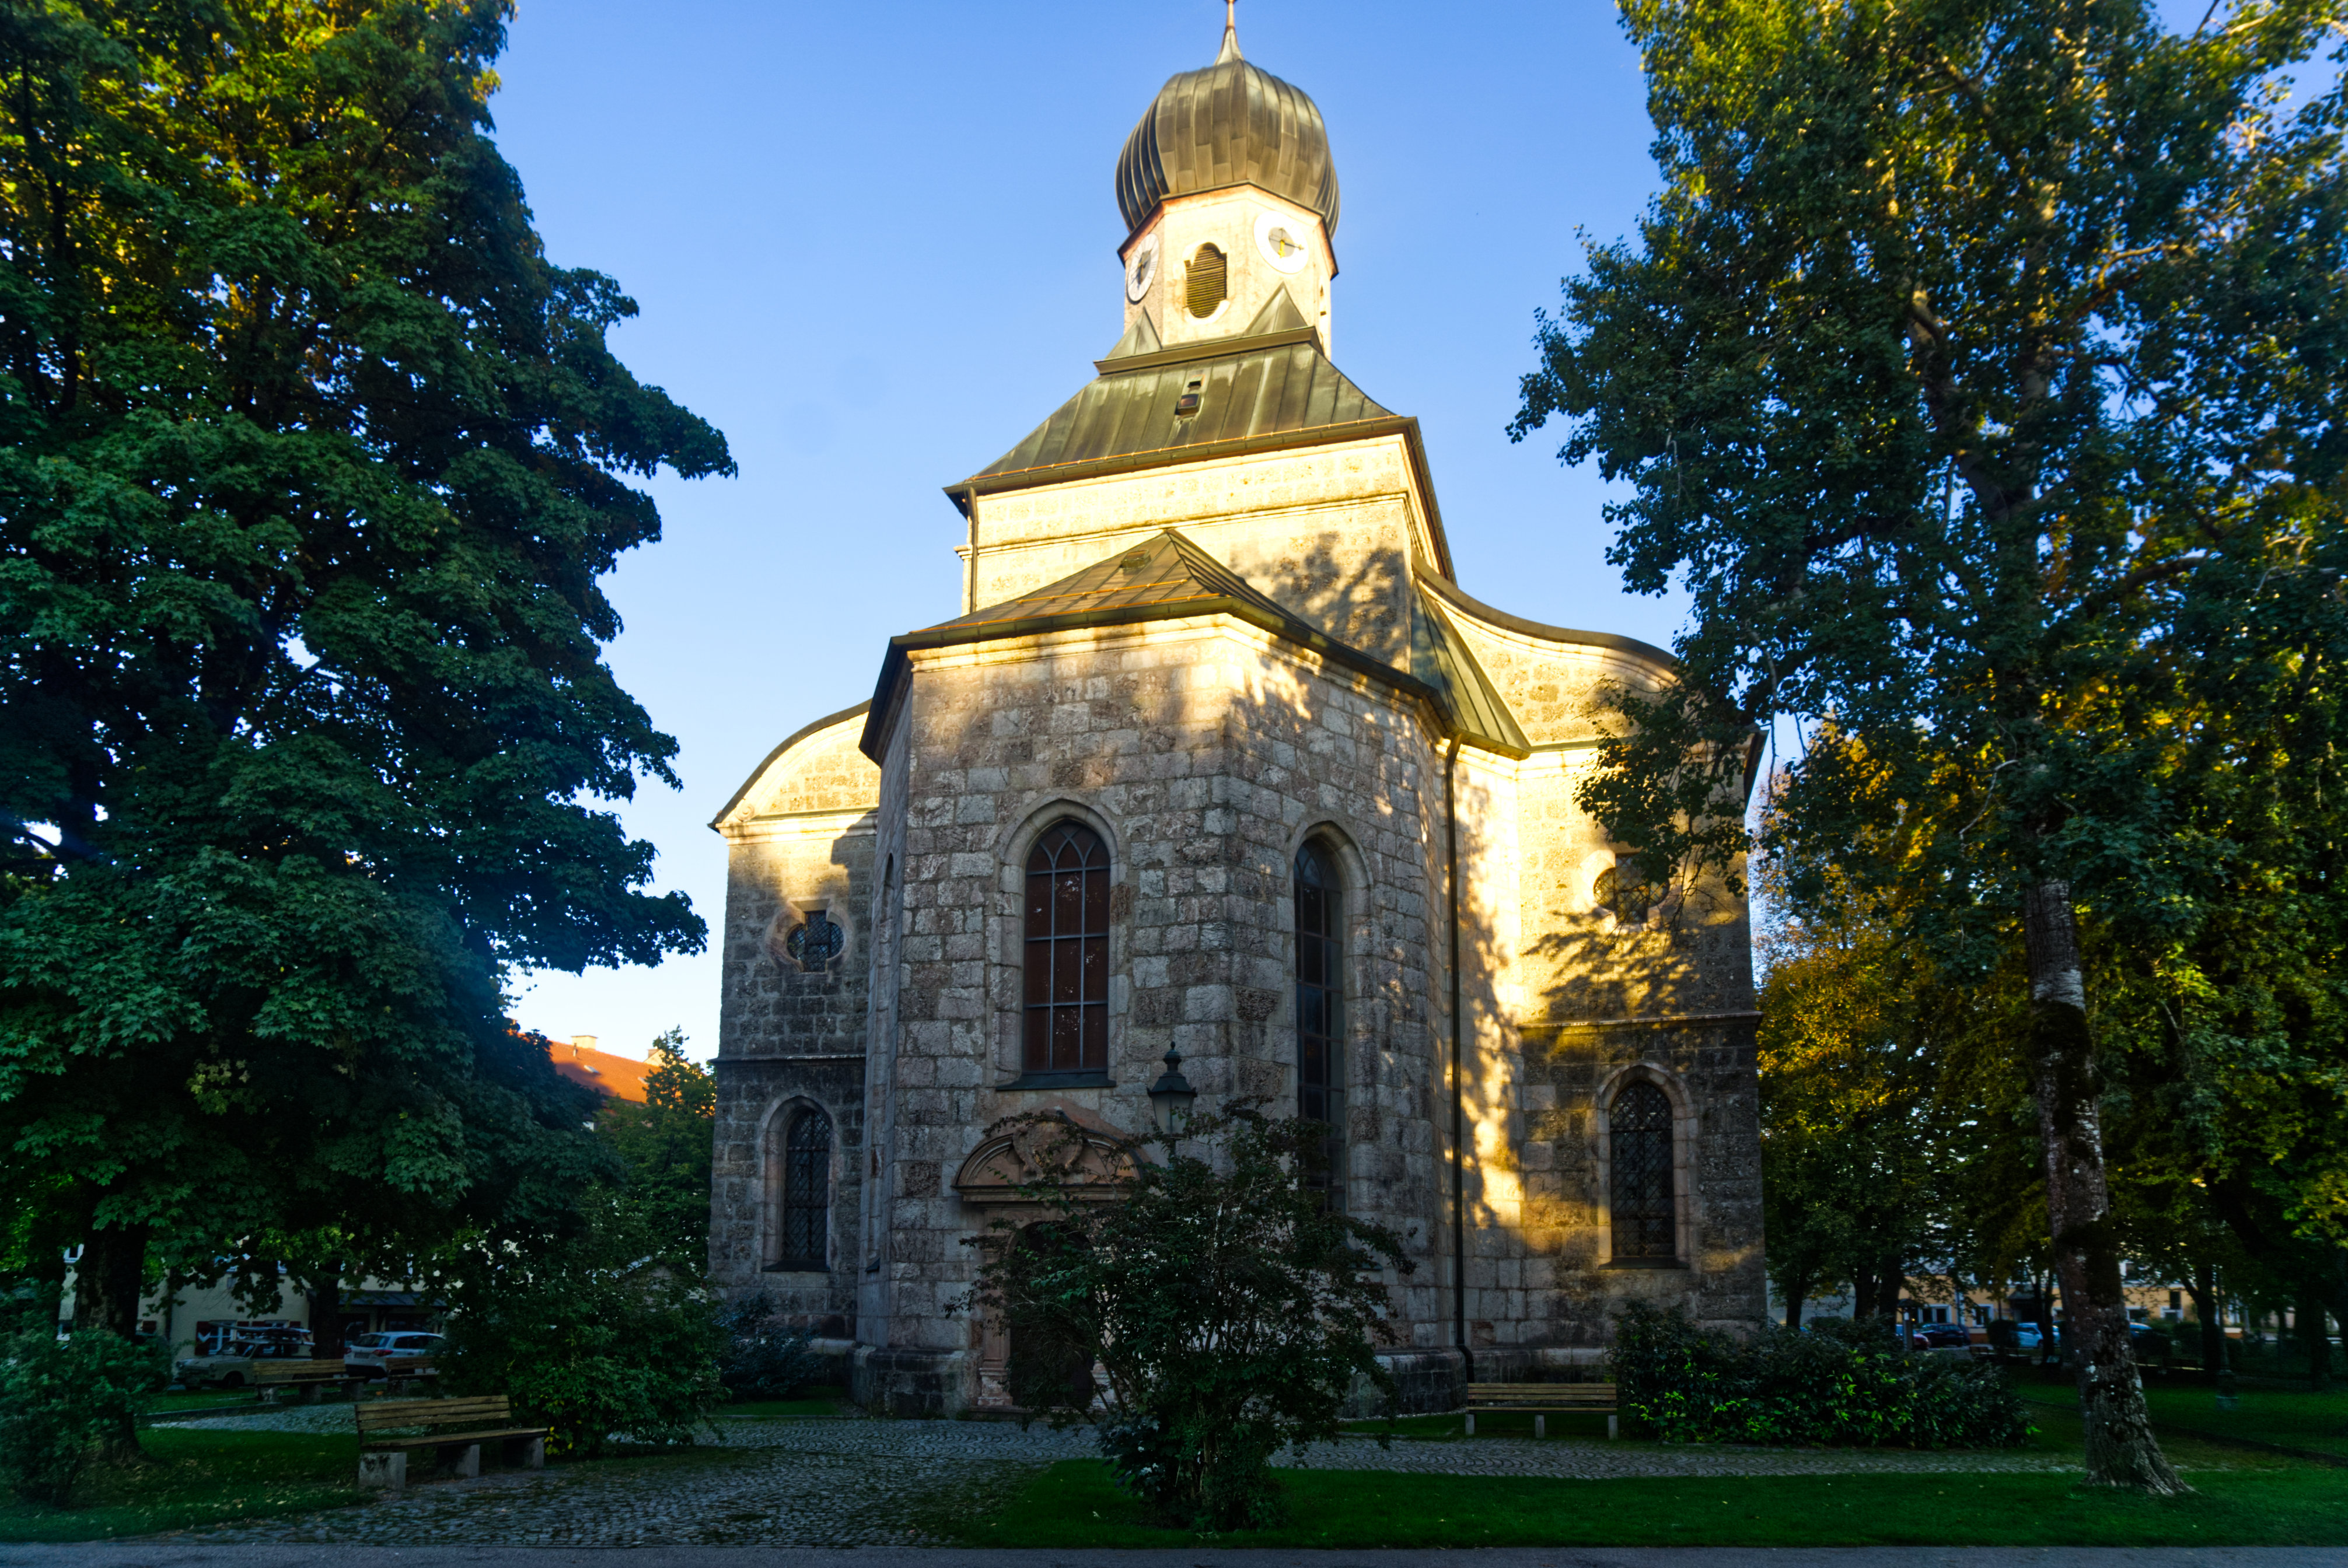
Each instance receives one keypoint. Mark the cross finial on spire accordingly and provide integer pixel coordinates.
(1230, 49)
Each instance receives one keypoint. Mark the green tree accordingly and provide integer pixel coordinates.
(665, 1146)
(1975, 362)
(64, 1400)
(589, 1331)
(1889, 1108)
(1847, 1082)
(1230, 1311)
(310, 464)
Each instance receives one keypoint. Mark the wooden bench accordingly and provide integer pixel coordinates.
(1539, 1399)
(271, 1378)
(401, 1373)
(460, 1424)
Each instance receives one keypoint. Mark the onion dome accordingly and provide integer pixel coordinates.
(1229, 123)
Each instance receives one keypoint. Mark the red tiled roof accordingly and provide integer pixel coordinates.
(620, 1076)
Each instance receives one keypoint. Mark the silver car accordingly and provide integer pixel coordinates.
(377, 1354)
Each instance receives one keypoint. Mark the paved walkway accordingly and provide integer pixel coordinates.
(835, 1483)
(185, 1553)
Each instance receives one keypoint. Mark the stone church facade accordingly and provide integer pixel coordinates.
(1219, 758)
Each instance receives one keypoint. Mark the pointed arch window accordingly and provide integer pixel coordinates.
(805, 1233)
(1321, 1008)
(1066, 960)
(1643, 1206)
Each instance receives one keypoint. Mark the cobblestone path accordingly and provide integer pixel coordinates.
(874, 1483)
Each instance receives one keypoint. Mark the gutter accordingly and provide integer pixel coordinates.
(1459, 1081)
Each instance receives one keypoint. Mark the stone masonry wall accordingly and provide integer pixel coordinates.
(1709, 1070)
(1204, 751)
(755, 1098)
(800, 839)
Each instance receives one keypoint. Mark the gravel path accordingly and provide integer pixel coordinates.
(878, 1483)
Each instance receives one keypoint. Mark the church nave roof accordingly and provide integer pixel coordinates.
(1166, 577)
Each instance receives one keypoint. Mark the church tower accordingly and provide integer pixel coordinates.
(1218, 758)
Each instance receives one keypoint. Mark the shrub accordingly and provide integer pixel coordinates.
(1842, 1384)
(762, 1359)
(592, 1335)
(61, 1399)
(1228, 1311)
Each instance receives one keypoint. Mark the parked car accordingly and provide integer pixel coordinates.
(1941, 1336)
(378, 1355)
(231, 1366)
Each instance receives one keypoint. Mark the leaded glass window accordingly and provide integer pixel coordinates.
(807, 1191)
(816, 942)
(1068, 952)
(1646, 1221)
(1321, 1008)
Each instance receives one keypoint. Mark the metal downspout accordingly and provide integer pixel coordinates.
(1458, 1073)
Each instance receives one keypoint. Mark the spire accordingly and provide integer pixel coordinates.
(1230, 49)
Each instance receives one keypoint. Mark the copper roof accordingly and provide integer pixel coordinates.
(1229, 123)
(1165, 571)
(1267, 384)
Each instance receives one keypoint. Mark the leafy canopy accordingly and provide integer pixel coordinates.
(1978, 365)
(309, 464)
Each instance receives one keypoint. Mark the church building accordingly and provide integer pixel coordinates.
(1218, 758)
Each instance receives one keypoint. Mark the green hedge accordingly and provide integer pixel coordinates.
(1841, 1386)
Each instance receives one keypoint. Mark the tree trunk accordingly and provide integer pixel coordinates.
(2203, 1288)
(106, 1287)
(2121, 1449)
(327, 1315)
(108, 1279)
(2315, 1341)
(1794, 1300)
(1890, 1280)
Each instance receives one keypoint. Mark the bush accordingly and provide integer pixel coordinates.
(1842, 1384)
(762, 1359)
(1228, 1309)
(593, 1336)
(61, 1399)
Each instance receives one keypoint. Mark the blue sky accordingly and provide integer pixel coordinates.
(876, 244)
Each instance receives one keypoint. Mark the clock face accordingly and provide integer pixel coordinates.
(1282, 241)
(1141, 268)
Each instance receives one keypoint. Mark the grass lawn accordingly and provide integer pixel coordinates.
(2293, 1417)
(2240, 1500)
(198, 1478)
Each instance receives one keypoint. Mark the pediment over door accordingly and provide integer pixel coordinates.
(1092, 1164)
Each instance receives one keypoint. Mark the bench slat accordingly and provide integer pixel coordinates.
(1539, 1396)
(384, 1413)
(450, 1440)
(300, 1371)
